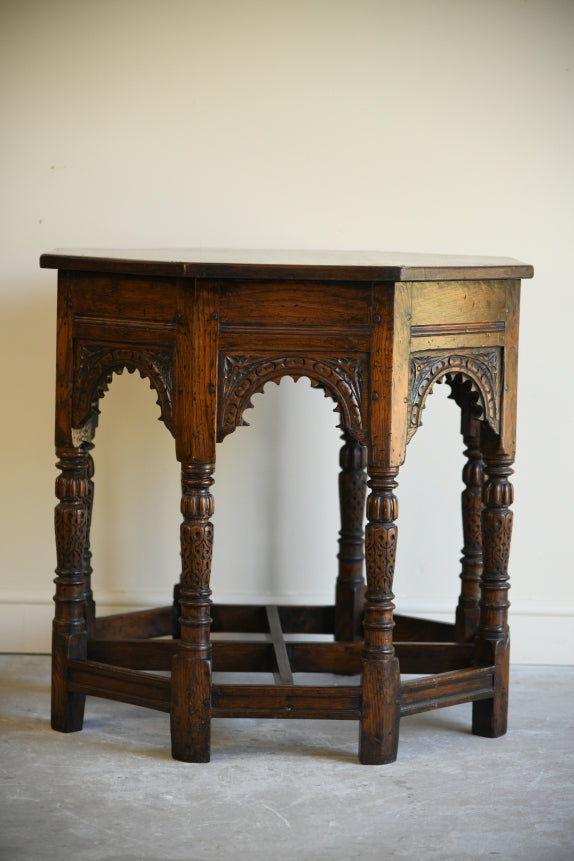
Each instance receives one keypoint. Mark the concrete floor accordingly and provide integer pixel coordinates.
(284, 789)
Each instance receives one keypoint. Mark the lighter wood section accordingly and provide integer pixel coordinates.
(389, 374)
(509, 380)
(400, 372)
(454, 302)
(456, 342)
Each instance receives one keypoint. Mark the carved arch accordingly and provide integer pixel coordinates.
(95, 366)
(341, 378)
(474, 376)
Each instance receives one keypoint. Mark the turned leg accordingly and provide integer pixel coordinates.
(468, 612)
(492, 644)
(191, 669)
(380, 709)
(69, 638)
(90, 606)
(176, 634)
(350, 591)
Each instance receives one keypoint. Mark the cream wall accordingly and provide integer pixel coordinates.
(425, 126)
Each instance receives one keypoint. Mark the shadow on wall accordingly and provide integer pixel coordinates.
(28, 345)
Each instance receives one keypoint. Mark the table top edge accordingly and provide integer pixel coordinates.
(287, 265)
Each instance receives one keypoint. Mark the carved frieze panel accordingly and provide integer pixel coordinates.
(474, 375)
(342, 378)
(95, 365)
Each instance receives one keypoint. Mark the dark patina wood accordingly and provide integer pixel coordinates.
(209, 329)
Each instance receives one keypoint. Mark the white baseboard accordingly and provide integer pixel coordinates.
(539, 635)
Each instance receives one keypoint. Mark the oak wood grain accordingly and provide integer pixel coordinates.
(286, 264)
(373, 331)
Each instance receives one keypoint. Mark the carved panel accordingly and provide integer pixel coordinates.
(474, 376)
(352, 493)
(380, 550)
(196, 553)
(71, 523)
(342, 378)
(471, 526)
(95, 365)
(497, 533)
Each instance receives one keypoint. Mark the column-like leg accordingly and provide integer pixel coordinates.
(176, 612)
(191, 670)
(88, 594)
(350, 591)
(380, 709)
(468, 612)
(69, 638)
(492, 644)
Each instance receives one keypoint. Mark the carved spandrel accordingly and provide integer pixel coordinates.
(342, 378)
(96, 364)
(475, 378)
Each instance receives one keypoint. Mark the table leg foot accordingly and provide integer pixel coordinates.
(492, 641)
(380, 713)
(69, 638)
(67, 708)
(191, 709)
(490, 717)
(191, 665)
(380, 702)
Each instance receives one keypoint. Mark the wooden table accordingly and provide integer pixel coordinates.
(375, 332)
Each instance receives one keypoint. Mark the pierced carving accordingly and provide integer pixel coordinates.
(340, 378)
(96, 365)
(474, 377)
